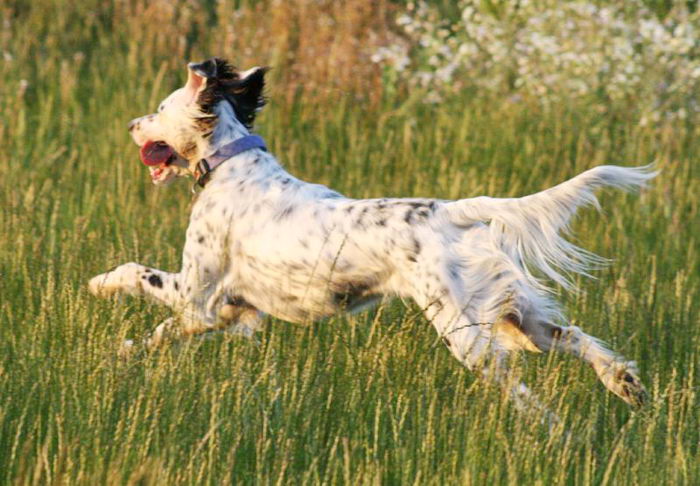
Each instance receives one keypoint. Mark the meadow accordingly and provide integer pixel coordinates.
(373, 398)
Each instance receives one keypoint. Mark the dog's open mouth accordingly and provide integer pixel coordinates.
(157, 155)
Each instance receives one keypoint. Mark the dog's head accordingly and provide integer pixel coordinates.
(216, 102)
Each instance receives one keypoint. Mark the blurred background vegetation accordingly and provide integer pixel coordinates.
(376, 98)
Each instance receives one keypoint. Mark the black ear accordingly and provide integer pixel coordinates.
(206, 69)
(246, 94)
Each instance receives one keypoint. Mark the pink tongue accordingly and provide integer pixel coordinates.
(155, 153)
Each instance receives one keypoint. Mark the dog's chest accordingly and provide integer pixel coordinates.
(275, 251)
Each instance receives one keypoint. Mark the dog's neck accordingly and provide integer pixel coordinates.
(227, 129)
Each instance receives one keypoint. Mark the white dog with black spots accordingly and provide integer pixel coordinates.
(262, 241)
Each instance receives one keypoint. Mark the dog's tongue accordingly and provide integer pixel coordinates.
(155, 153)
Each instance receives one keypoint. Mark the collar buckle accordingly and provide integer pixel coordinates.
(201, 171)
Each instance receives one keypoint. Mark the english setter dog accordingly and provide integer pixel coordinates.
(262, 241)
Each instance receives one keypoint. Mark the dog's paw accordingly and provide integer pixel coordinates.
(122, 278)
(632, 391)
(622, 380)
(99, 286)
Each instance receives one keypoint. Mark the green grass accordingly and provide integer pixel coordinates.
(371, 398)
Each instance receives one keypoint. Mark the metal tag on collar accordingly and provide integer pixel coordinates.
(203, 168)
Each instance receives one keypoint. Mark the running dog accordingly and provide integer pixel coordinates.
(262, 241)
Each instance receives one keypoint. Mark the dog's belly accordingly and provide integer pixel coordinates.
(307, 304)
(305, 309)
(301, 289)
(297, 295)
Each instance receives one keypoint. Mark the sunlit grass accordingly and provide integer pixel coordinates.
(372, 398)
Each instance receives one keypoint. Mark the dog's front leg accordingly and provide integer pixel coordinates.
(135, 279)
(185, 292)
(192, 295)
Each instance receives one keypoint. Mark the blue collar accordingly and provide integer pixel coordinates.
(205, 166)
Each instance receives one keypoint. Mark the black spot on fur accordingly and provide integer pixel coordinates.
(238, 301)
(286, 212)
(155, 281)
(416, 246)
(177, 285)
(447, 342)
(201, 239)
(418, 209)
(453, 270)
(353, 295)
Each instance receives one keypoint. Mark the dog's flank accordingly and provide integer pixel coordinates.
(271, 243)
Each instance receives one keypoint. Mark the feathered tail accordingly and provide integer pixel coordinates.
(528, 228)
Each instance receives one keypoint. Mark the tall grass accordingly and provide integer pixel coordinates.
(372, 398)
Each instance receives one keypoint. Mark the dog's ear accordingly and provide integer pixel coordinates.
(199, 75)
(207, 69)
(246, 93)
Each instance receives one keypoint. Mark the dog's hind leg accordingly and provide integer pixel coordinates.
(619, 375)
(472, 343)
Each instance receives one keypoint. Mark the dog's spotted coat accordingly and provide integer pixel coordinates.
(262, 241)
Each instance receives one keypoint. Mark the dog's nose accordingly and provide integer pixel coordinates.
(132, 124)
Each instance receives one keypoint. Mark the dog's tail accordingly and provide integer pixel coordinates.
(528, 228)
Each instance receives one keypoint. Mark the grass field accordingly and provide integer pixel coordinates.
(372, 398)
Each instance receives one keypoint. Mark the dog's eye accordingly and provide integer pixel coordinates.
(160, 108)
